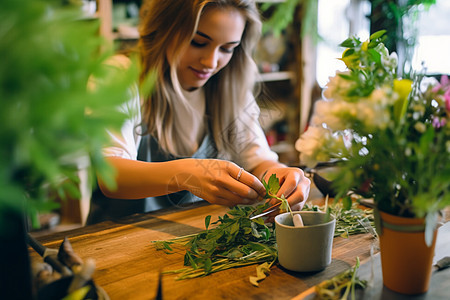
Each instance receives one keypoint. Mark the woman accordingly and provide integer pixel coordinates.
(197, 135)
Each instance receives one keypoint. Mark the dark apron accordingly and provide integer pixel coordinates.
(103, 208)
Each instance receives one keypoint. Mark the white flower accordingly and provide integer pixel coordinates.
(380, 96)
(311, 143)
(337, 87)
(335, 114)
(426, 82)
(389, 61)
(373, 115)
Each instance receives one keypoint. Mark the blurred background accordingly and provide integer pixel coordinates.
(298, 51)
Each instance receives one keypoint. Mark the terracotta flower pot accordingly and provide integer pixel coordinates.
(406, 260)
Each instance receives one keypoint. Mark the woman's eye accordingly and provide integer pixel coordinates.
(227, 50)
(197, 44)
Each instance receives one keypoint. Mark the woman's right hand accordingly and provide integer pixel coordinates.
(219, 182)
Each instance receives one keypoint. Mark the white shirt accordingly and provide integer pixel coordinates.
(252, 147)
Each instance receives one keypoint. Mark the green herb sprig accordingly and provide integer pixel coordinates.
(236, 241)
(272, 187)
(348, 221)
(341, 285)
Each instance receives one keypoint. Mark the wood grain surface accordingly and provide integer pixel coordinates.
(128, 265)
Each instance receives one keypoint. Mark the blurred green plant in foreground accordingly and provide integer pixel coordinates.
(50, 121)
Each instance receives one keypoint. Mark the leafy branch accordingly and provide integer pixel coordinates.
(236, 241)
(272, 187)
(349, 221)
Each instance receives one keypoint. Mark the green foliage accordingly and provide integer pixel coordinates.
(272, 187)
(364, 61)
(51, 123)
(283, 15)
(396, 131)
(350, 220)
(239, 241)
(235, 241)
(341, 286)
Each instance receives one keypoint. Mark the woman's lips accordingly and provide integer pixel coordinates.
(201, 74)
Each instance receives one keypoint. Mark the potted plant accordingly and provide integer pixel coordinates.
(51, 122)
(391, 137)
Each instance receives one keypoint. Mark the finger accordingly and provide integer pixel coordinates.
(233, 201)
(298, 206)
(289, 185)
(249, 186)
(225, 198)
(298, 198)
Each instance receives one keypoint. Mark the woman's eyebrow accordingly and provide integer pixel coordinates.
(209, 38)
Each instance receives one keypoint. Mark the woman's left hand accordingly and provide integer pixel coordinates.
(294, 185)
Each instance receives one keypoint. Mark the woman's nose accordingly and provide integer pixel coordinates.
(210, 59)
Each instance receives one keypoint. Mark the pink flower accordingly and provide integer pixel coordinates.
(447, 99)
(443, 85)
(438, 122)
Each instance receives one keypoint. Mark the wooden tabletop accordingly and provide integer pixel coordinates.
(127, 263)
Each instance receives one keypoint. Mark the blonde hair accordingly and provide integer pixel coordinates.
(173, 24)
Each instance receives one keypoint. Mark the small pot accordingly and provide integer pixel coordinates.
(307, 248)
(406, 260)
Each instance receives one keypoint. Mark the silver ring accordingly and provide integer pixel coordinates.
(239, 174)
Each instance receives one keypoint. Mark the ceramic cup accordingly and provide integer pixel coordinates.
(307, 248)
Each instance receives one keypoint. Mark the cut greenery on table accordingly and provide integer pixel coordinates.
(342, 285)
(238, 241)
(349, 220)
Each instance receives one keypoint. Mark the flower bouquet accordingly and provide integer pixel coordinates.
(390, 135)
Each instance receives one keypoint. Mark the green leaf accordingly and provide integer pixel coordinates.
(273, 185)
(208, 265)
(376, 56)
(207, 221)
(347, 202)
(284, 207)
(377, 35)
(348, 52)
(348, 43)
(234, 228)
(259, 221)
(166, 245)
(188, 257)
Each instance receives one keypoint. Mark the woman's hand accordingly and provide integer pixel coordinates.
(221, 182)
(294, 185)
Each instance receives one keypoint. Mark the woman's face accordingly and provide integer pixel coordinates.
(219, 33)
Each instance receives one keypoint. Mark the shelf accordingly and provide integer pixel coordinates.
(277, 76)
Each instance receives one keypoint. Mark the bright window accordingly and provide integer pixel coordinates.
(337, 20)
(433, 42)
